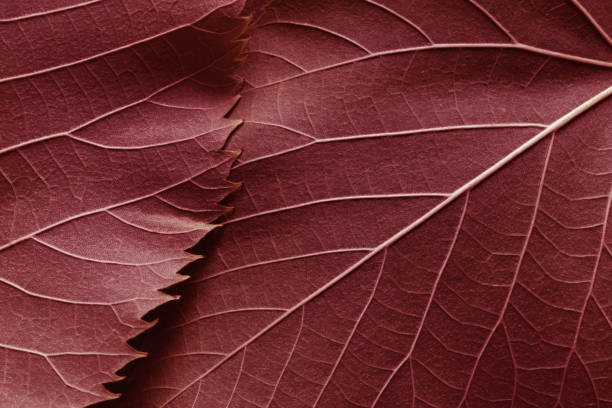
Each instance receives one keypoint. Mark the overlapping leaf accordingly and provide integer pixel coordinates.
(424, 220)
(111, 117)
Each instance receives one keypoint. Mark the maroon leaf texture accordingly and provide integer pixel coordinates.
(112, 118)
(424, 221)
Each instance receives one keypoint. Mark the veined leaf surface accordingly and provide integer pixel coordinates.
(425, 217)
(111, 117)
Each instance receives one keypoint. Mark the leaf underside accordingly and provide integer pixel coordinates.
(112, 121)
(424, 221)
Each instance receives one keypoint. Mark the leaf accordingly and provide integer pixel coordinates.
(111, 119)
(424, 221)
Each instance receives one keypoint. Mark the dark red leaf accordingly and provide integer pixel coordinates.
(424, 220)
(111, 117)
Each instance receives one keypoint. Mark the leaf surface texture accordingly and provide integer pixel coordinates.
(425, 217)
(112, 121)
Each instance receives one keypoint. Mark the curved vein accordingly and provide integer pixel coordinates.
(107, 52)
(102, 209)
(335, 199)
(376, 135)
(523, 47)
(48, 12)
